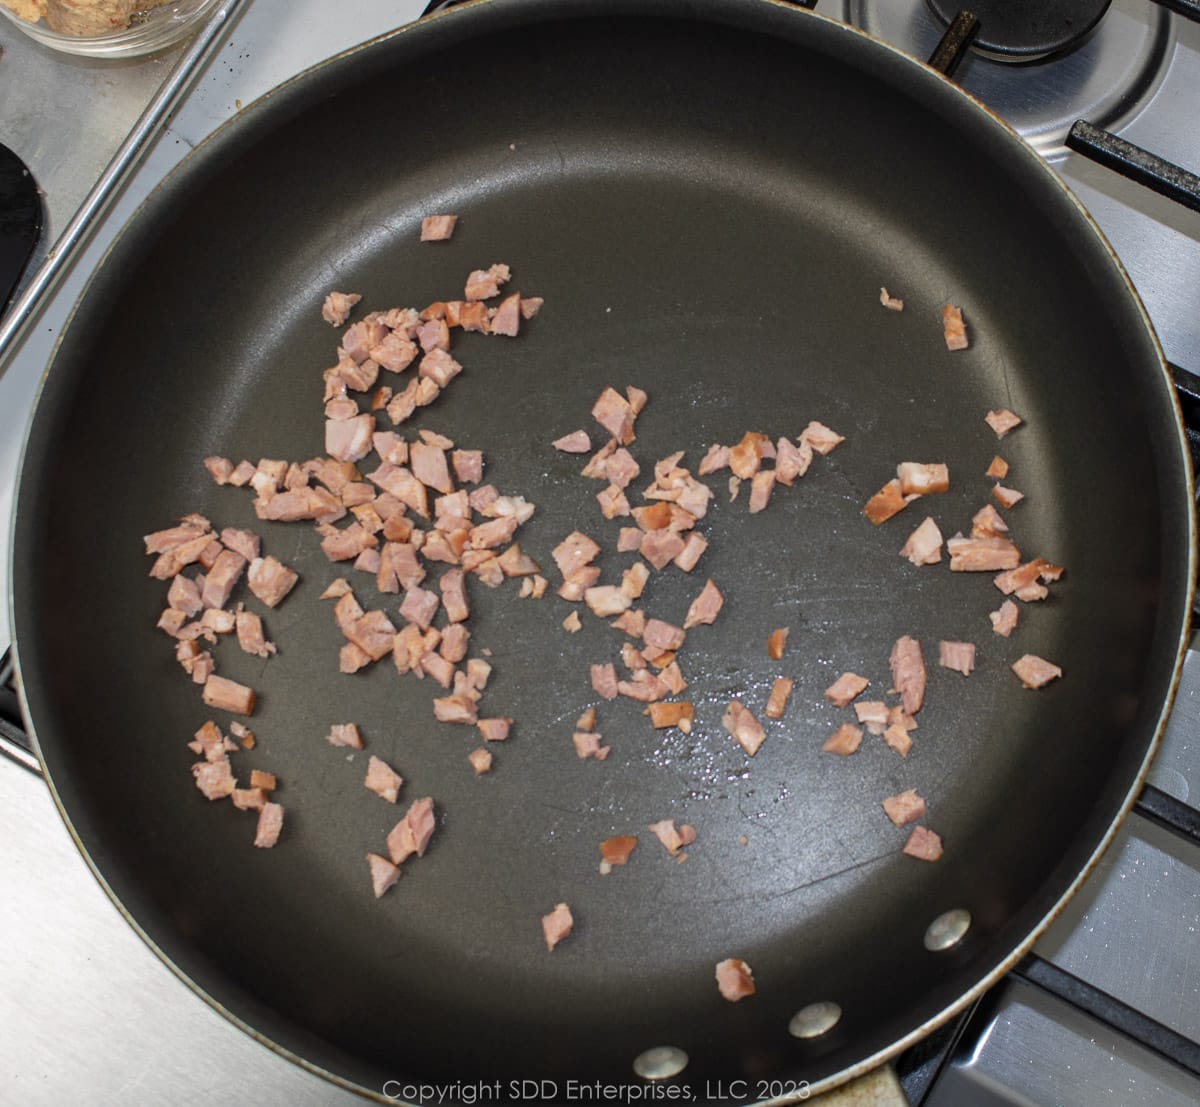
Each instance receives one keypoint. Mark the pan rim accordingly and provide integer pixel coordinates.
(883, 1055)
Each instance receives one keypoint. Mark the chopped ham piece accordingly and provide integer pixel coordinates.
(734, 979)
(924, 545)
(483, 284)
(777, 642)
(345, 734)
(982, 555)
(349, 439)
(705, 607)
(412, 833)
(661, 547)
(382, 779)
(336, 308)
(954, 330)
(633, 580)
(577, 442)
(557, 925)
(889, 301)
(437, 228)
(419, 606)
(873, 714)
(228, 695)
(270, 580)
(735, 484)
(614, 413)
(530, 306)
(429, 467)
(218, 621)
(959, 656)
(663, 636)
(454, 643)
(337, 588)
(921, 479)
(437, 369)
(678, 713)
(1007, 497)
(717, 458)
(351, 658)
(888, 501)
(744, 727)
(574, 552)
(506, 319)
(820, 437)
(184, 596)
(373, 634)
(244, 542)
(904, 808)
(777, 700)
(1004, 620)
(214, 778)
(574, 587)
(613, 502)
(760, 490)
(630, 539)
(621, 468)
(1002, 421)
(791, 460)
(998, 469)
(897, 738)
(171, 562)
(270, 823)
(1035, 672)
(383, 873)
(587, 744)
(908, 673)
(673, 840)
(923, 844)
(468, 465)
(248, 799)
(843, 741)
(242, 472)
(616, 851)
(250, 635)
(745, 458)
(172, 619)
(219, 468)
(630, 622)
(258, 779)
(987, 522)
(606, 600)
(454, 709)
(693, 547)
(481, 761)
(846, 688)
(494, 730)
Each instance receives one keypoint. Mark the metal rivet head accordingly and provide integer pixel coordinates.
(660, 1063)
(947, 930)
(814, 1020)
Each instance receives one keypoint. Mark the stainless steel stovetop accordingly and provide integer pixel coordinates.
(88, 1014)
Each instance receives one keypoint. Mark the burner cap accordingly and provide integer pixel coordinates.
(1023, 29)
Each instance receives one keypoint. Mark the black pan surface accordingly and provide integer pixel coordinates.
(708, 198)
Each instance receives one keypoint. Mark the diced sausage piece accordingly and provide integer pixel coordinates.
(214, 778)
(1002, 421)
(904, 808)
(760, 490)
(228, 695)
(954, 330)
(604, 681)
(889, 301)
(982, 555)
(888, 501)
(616, 851)
(557, 925)
(998, 469)
(481, 761)
(573, 552)
(494, 730)
(437, 228)
(606, 599)
(777, 700)
(846, 688)
(987, 522)
(336, 308)
(437, 369)
(250, 635)
(734, 979)
(383, 873)
(959, 656)
(663, 636)
(1004, 621)
(613, 412)
(745, 728)
(345, 734)
(219, 468)
(587, 744)
(349, 439)
(172, 620)
(921, 479)
(270, 823)
(1007, 497)
(395, 353)
(483, 284)
(716, 459)
(660, 547)
(923, 844)
(705, 607)
(908, 673)
(433, 334)
(843, 741)
(897, 738)
(419, 606)
(678, 713)
(270, 580)
(577, 442)
(821, 438)
(673, 840)
(412, 833)
(1035, 672)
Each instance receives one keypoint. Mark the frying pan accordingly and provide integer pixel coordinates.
(708, 195)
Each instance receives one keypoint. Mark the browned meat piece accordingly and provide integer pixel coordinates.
(921, 479)
(1035, 672)
(889, 301)
(604, 681)
(358, 338)
(228, 695)
(218, 621)
(383, 873)
(494, 730)
(673, 840)
(613, 412)
(1007, 497)
(506, 319)
(341, 407)
(781, 690)
(270, 824)
(663, 636)
(270, 580)
(587, 744)
(745, 728)
(454, 595)
(959, 656)
(746, 457)
(982, 555)
(616, 851)
(437, 228)
(1004, 621)
(705, 607)
(1002, 421)
(678, 713)
(597, 464)
(483, 284)
(760, 490)
(846, 688)
(250, 635)
(735, 980)
(242, 472)
(904, 808)
(577, 442)
(843, 741)
(888, 501)
(373, 634)
(557, 925)
(347, 611)
(629, 539)
(954, 330)
(924, 545)
(574, 587)
(908, 673)
(413, 832)
(988, 523)
(208, 556)
(820, 437)
(214, 778)
(219, 468)
(998, 469)
(923, 844)
(337, 588)
(573, 552)
(493, 533)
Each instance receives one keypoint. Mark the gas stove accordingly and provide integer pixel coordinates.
(1106, 1010)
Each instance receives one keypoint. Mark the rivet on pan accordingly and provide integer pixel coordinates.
(660, 1063)
(947, 930)
(814, 1020)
